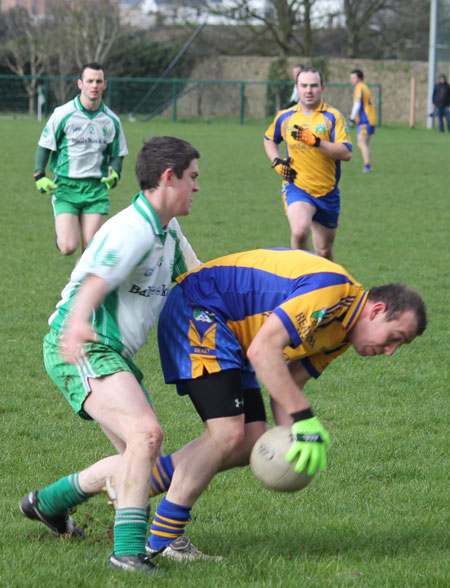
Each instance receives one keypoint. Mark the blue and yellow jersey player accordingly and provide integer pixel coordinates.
(275, 317)
(317, 140)
(363, 115)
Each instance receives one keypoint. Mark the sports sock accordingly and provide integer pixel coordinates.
(130, 531)
(168, 523)
(161, 475)
(58, 498)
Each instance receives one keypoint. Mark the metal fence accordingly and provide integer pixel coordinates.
(178, 99)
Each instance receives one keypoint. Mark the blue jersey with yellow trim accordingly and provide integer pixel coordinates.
(317, 173)
(366, 114)
(317, 300)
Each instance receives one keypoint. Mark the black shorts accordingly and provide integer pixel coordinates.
(221, 395)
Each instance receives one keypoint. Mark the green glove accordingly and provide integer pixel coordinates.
(311, 439)
(112, 179)
(44, 185)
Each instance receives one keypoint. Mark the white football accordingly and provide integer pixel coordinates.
(269, 466)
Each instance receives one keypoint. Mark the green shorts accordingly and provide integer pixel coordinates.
(86, 195)
(73, 379)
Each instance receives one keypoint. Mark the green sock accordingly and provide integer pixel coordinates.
(130, 531)
(58, 498)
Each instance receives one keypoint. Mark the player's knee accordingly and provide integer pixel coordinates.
(325, 251)
(229, 438)
(146, 440)
(300, 231)
(66, 246)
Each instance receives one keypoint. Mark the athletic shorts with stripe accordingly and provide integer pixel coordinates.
(98, 360)
(193, 341)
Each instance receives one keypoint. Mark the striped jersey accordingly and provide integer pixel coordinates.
(138, 259)
(364, 114)
(317, 300)
(83, 142)
(317, 173)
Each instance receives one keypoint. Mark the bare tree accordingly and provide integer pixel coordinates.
(23, 50)
(81, 31)
(95, 27)
(358, 14)
(287, 23)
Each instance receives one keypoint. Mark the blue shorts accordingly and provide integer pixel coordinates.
(365, 129)
(193, 341)
(327, 207)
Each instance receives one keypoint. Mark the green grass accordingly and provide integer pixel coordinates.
(378, 516)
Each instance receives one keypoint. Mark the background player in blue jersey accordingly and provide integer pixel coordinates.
(274, 316)
(364, 115)
(106, 311)
(316, 140)
(85, 143)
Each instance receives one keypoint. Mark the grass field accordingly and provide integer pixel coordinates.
(378, 516)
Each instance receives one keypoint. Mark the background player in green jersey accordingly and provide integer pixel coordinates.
(85, 143)
(298, 67)
(106, 311)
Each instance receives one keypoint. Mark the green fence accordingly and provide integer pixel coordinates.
(179, 99)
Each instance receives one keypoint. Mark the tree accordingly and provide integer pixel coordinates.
(286, 23)
(23, 50)
(82, 31)
(358, 14)
(95, 28)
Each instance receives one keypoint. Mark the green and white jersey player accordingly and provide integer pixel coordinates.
(86, 145)
(114, 296)
(138, 259)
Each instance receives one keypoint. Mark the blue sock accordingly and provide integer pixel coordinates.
(168, 523)
(161, 475)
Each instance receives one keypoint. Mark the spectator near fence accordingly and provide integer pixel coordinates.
(441, 102)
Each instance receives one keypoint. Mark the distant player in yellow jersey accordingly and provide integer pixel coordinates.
(271, 317)
(364, 115)
(317, 139)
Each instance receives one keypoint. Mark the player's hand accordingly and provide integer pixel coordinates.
(71, 342)
(112, 179)
(351, 123)
(282, 167)
(44, 185)
(311, 442)
(305, 136)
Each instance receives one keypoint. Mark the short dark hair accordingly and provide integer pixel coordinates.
(92, 65)
(311, 69)
(359, 73)
(398, 299)
(160, 153)
(301, 67)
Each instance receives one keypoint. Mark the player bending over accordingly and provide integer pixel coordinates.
(277, 316)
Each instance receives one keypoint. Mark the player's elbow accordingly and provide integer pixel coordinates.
(254, 355)
(347, 155)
